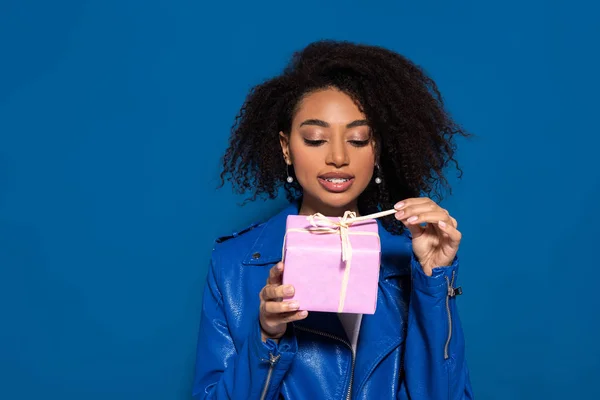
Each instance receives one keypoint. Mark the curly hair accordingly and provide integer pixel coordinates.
(413, 133)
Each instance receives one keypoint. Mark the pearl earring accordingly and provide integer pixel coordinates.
(289, 177)
(377, 178)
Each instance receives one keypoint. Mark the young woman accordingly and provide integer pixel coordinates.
(345, 127)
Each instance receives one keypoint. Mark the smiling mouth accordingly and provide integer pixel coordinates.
(336, 184)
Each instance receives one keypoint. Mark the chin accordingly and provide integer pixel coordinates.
(337, 200)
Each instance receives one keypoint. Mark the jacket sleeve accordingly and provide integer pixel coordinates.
(434, 358)
(229, 370)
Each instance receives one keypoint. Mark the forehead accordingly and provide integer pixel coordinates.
(330, 105)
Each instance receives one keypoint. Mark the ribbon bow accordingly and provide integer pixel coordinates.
(321, 224)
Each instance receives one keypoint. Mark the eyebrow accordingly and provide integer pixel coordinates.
(321, 123)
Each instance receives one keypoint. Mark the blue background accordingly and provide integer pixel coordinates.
(113, 117)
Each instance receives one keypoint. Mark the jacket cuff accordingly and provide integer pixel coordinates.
(283, 352)
(439, 280)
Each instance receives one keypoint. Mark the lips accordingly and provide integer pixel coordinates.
(336, 182)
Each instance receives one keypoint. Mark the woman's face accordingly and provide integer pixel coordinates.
(332, 152)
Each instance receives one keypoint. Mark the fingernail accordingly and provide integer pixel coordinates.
(289, 290)
(412, 219)
(280, 267)
(442, 224)
(399, 214)
(303, 313)
(399, 205)
(293, 305)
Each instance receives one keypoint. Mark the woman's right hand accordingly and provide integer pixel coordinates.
(275, 313)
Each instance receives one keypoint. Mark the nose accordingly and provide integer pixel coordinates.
(338, 154)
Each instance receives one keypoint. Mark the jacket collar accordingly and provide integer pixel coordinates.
(267, 248)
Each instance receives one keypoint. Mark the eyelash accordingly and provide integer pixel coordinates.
(360, 143)
(313, 143)
(355, 143)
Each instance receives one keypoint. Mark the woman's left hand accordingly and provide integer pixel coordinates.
(436, 243)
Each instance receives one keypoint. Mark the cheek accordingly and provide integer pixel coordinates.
(365, 163)
(306, 162)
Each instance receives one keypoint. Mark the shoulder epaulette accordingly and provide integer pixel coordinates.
(238, 233)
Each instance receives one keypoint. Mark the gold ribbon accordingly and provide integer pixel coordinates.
(320, 224)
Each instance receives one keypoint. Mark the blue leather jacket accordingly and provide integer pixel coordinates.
(411, 348)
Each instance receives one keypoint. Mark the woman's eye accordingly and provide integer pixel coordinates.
(313, 142)
(359, 143)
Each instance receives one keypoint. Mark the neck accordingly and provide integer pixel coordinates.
(309, 207)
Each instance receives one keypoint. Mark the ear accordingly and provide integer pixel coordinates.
(284, 141)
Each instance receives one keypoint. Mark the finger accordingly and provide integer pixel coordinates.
(454, 235)
(295, 316)
(275, 274)
(415, 209)
(411, 202)
(272, 292)
(428, 217)
(454, 222)
(422, 205)
(278, 307)
(274, 322)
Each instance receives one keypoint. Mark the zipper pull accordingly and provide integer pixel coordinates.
(452, 291)
(272, 359)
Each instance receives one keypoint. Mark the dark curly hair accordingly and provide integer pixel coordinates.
(413, 133)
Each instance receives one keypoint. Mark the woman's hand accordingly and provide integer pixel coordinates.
(436, 243)
(274, 312)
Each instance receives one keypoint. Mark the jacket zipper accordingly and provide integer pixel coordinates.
(349, 393)
(450, 294)
(272, 361)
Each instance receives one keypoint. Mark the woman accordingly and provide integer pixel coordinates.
(345, 127)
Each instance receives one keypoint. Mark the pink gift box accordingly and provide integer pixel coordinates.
(322, 280)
